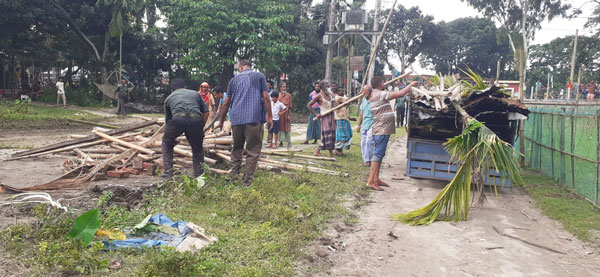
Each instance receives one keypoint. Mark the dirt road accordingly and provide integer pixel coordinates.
(470, 248)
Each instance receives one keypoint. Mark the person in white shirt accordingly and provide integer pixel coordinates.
(277, 108)
(60, 92)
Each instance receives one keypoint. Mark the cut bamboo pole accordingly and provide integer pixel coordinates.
(77, 136)
(124, 143)
(83, 156)
(69, 148)
(301, 156)
(94, 123)
(352, 100)
(102, 151)
(218, 171)
(123, 149)
(282, 165)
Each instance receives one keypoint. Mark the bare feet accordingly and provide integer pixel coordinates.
(270, 145)
(382, 183)
(374, 187)
(366, 164)
(318, 153)
(339, 153)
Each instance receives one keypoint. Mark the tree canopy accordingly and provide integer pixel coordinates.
(466, 42)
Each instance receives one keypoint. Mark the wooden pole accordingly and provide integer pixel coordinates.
(357, 97)
(374, 49)
(328, 60)
(498, 70)
(573, 59)
(70, 147)
(371, 71)
(548, 88)
(521, 96)
(124, 143)
(83, 140)
(578, 84)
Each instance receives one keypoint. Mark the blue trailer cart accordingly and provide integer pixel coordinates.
(429, 160)
(427, 131)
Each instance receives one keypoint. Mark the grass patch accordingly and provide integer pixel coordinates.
(20, 147)
(262, 230)
(37, 116)
(576, 214)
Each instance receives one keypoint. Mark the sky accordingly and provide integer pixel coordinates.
(448, 10)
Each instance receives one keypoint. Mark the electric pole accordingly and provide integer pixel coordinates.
(330, 43)
(374, 38)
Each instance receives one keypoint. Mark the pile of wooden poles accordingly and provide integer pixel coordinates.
(136, 149)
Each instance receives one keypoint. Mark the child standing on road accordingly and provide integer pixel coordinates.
(343, 134)
(277, 108)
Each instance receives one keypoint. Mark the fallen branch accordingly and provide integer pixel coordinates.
(527, 242)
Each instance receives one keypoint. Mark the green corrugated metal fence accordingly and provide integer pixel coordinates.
(563, 140)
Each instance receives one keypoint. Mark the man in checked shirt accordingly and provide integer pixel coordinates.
(248, 97)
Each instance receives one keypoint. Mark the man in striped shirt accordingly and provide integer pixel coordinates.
(383, 125)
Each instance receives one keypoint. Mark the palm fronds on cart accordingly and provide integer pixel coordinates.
(479, 151)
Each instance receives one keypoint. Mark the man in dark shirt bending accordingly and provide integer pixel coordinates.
(185, 112)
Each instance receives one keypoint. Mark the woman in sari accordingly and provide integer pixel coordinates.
(285, 119)
(328, 126)
(313, 131)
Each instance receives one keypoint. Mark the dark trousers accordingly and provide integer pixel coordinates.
(250, 135)
(399, 116)
(193, 129)
(121, 105)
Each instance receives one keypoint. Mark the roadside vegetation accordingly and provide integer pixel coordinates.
(573, 211)
(261, 230)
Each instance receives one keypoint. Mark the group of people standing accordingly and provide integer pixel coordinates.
(250, 102)
(246, 104)
(377, 122)
(332, 128)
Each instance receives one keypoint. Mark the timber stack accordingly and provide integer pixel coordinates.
(136, 149)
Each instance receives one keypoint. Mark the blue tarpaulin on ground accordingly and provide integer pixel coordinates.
(155, 239)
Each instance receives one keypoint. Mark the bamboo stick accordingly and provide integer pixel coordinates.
(218, 171)
(124, 143)
(123, 149)
(102, 150)
(94, 123)
(83, 156)
(68, 148)
(302, 156)
(351, 100)
(77, 136)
